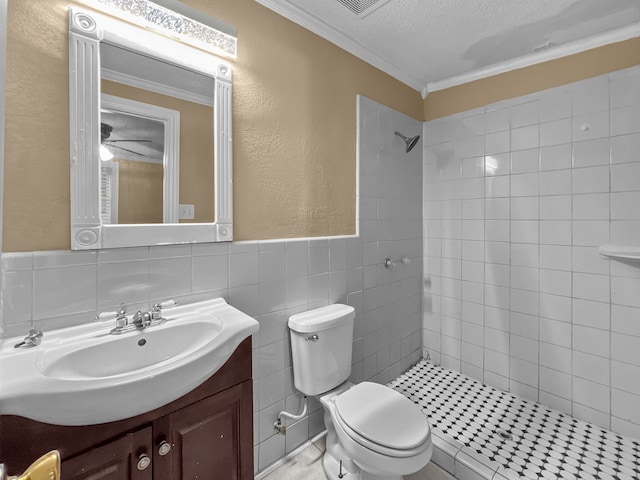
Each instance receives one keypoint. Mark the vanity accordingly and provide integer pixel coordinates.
(207, 433)
(137, 415)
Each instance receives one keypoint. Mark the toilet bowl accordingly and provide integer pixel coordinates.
(381, 433)
(373, 432)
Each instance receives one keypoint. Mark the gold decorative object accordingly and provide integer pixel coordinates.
(47, 467)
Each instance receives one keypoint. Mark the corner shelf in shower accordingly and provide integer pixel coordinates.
(620, 252)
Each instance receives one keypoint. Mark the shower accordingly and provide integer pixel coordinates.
(410, 142)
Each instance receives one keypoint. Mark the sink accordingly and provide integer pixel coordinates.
(83, 375)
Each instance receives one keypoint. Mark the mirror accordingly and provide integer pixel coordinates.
(150, 137)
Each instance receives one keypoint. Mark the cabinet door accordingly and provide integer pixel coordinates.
(127, 458)
(212, 439)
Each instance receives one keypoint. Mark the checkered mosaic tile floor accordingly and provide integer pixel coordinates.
(527, 439)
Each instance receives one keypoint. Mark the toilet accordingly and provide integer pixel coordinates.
(373, 432)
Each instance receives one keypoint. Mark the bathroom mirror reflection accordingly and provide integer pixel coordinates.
(140, 95)
(150, 137)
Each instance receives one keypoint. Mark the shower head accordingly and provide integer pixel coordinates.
(409, 142)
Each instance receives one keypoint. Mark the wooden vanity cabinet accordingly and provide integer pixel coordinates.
(204, 435)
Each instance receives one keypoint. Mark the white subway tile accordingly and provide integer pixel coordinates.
(555, 307)
(524, 208)
(525, 161)
(556, 357)
(591, 394)
(496, 208)
(524, 278)
(496, 296)
(592, 206)
(555, 282)
(524, 231)
(496, 252)
(591, 314)
(523, 348)
(555, 207)
(497, 164)
(591, 180)
(554, 257)
(589, 260)
(624, 90)
(591, 126)
(525, 114)
(591, 340)
(557, 157)
(555, 382)
(555, 232)
(523, 371)
(625, 405)
(625, 120)
(625, 320)
(625, 348)
(497, 318)
(496, 340)
(591, 286)
(592, 367)
(625, 206)
(496, 362)
(524, 325)
(555, 132)
(625, 148)
(624, 376)
(590, 233)
(496, 231)
(496, 274)
(555, 182)
(523, 254)
(473, 250)
(555, 332)
(524, 138)
(592, 95)
(524, 301)
(591, 153)
(497, 142)
(497, 186)
(625, 177)
(64, 290)
(525, 185)
(625, 291)
(497, 120)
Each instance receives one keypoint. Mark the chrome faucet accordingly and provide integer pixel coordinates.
(140, 320)
(33, 339)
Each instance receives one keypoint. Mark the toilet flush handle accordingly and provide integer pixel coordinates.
(312, 338)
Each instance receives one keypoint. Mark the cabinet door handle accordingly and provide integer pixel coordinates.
(164, 448)
(143, 462)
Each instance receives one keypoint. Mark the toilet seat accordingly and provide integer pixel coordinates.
(383, 420)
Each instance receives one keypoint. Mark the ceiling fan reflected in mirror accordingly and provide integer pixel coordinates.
(131, 137)
(105, 143)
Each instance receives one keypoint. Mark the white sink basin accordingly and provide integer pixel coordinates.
(83, 375)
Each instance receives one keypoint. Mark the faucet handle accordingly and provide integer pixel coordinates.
(33, 338)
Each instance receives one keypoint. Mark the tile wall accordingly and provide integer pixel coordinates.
(269, 280)
(518, 197)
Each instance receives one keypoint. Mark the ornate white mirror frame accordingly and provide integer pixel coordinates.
(86, 31)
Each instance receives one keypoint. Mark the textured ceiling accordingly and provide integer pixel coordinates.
(426, 41)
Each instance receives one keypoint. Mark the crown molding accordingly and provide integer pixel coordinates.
(311, 23)
(571, 48)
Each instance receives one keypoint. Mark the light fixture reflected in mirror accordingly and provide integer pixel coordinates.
(105, 154)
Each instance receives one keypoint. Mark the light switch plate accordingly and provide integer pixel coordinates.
(187, 212)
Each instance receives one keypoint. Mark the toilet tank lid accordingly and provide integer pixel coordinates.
(321, 318)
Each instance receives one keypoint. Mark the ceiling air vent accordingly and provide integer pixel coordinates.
(362, 8)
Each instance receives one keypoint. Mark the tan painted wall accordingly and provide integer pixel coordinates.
(591, 63)
(139, 192)
(294, 125)
(196, 147)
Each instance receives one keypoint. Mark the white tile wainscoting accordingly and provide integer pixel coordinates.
(269, 280)
(518, 196)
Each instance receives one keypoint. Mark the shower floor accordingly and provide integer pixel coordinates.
(482, 432)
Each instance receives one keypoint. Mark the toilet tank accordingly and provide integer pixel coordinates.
(321, 345)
